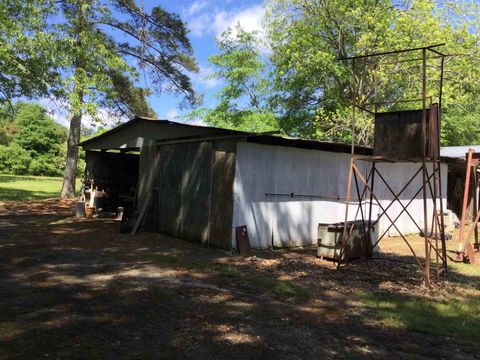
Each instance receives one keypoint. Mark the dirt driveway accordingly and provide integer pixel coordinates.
(76, 288)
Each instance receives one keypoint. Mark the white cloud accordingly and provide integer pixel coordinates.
(202, 21)
(172, 114)
(196, 7)
(104, 118)
(203, 77)
(59, 112)
(198, 121)
(198, 25)
(250, 19)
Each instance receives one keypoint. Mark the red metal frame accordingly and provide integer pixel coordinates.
(433, 230)
(464, 244)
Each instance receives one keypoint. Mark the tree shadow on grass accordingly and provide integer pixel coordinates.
(17, 194)
(8, 178)
(441, 317)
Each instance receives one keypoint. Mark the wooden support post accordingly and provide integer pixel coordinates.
(424, 168)
(465, 202)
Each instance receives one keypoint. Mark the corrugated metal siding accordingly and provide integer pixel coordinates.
(284, 221)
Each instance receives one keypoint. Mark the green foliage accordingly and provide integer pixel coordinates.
(14, 160)
(4, 140)
(313, 89)
(84, 53)
(99, 42)
(299, 86)
(38, 133)
(8, 128)
(62, 49)
(99, 64)
(461, 127)
(38, 145)
(27, 53)
(243, 102)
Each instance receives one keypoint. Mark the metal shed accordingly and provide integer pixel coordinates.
(206, 181)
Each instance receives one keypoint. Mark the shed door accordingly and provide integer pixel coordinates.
(222, 195)
(185, 191)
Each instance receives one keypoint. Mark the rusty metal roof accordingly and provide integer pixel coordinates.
(457, 152)
(142, 131)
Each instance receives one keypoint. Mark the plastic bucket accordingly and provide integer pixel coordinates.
(120, 213)
(79, 209)
(89, 211)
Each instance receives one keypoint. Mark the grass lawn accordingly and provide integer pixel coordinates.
(13, 187)
(455, 316)
(450, 310)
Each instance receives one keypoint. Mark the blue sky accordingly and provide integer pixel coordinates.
(206, 19)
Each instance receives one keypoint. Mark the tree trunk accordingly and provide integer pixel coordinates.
(69, 177)
(68, 188)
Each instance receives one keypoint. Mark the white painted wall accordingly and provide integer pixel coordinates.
(285, 221)
(397, 175)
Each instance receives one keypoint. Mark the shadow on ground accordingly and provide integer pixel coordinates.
(76, 288)
(14, 194)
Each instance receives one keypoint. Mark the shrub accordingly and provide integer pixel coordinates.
(14, 160)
